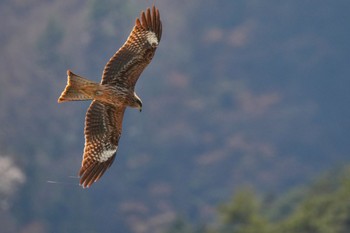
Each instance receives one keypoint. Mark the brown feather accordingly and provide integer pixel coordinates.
(87, 179)
(94, 173)
(144, 21)
(127, 64)
(154, 18)
(103, 126)
(137, 22)
(149, 19)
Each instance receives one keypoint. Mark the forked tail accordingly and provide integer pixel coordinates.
(78, 88)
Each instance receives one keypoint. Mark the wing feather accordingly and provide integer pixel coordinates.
(125, 67)
(144, 20)
(103, 126)
(154, 18)
(149, 20)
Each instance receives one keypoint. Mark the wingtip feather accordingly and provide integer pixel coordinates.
(143, 20)
(150, 20)
(88, 174)
(137, 22)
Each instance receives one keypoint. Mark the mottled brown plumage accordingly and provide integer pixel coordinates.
(103, 122)
(125, 67)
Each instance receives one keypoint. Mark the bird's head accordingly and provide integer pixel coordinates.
(137, 102)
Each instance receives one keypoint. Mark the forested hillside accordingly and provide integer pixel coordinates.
(239, 93)
(322, 206)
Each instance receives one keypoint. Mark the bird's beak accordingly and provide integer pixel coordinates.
(140, 109)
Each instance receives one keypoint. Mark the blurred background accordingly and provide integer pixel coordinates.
(245, 125)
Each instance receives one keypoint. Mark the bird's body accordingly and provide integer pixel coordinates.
(79, 88)
(115, 92)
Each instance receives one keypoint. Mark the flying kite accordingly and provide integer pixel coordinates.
(110, 97)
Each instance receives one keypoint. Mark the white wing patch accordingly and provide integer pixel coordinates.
(152, 38)
(106, 154)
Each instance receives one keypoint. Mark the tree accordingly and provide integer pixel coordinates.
(243, 214)
(325, 208)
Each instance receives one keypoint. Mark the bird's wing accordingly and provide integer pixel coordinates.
(125, 67)
(103, 127)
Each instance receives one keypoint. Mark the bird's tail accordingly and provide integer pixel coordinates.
(78, 88)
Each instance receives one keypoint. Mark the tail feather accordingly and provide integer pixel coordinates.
(78, 88)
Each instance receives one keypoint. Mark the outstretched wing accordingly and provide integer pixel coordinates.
(103, 127)
(125, 67)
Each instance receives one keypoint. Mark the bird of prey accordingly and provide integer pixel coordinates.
(110, 97)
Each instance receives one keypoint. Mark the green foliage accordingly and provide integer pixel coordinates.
(180, 226)
(243, 214)
(323, 207)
